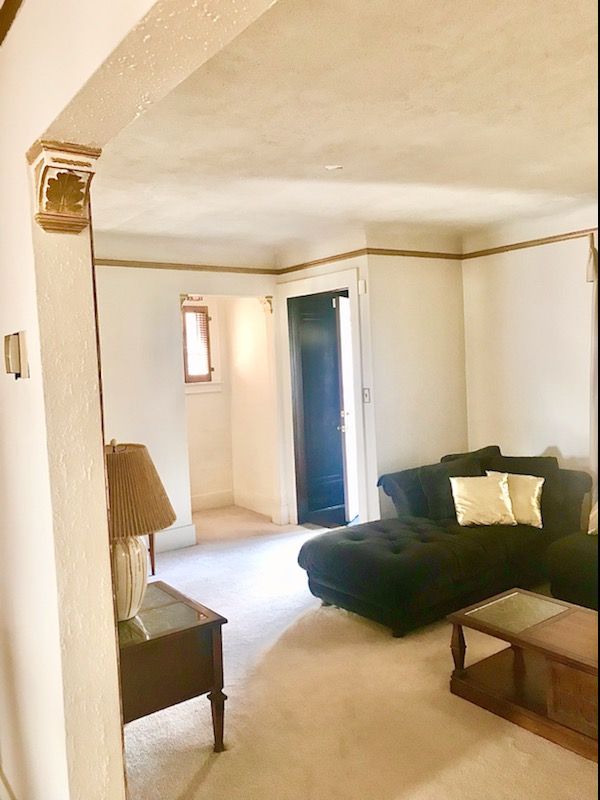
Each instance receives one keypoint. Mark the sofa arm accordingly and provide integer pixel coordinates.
(575, 486)
(405, 490)
(572, 564)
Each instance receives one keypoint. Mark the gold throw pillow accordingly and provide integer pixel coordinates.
(526, 497)
(482, 501)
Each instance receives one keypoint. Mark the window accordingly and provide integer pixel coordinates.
(196, 343)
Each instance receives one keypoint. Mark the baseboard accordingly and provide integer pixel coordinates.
(202, 502)
(175, 538)
(281, 515)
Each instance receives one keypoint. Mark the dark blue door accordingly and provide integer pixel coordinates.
(317, 401)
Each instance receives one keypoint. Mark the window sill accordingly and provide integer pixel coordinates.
(203, 388)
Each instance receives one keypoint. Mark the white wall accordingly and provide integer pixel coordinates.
(60, 736)
(41, 640)
(254, 425)
(208, 414)
(453, 366)
(141, 352)
(418, 360)
(528, 335)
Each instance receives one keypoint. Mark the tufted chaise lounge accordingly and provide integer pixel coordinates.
(411, 570)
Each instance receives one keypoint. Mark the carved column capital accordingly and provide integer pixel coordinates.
(62, 174)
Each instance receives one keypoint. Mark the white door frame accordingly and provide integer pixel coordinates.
(342, 280)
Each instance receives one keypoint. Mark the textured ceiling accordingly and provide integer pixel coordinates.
(455, 113)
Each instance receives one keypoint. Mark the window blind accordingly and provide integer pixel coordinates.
(196, 344)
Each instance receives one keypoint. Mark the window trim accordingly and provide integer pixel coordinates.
(187, 308)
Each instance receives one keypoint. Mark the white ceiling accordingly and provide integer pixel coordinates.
(456, 113)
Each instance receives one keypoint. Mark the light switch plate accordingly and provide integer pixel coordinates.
(15, 355)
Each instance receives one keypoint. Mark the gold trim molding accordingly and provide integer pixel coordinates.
(8, 12)
(176, 265)
(507, 248)
(62, 184)
(364, 251)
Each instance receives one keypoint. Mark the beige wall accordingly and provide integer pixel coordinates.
(47, 659)
(213, 444)
(232, 423)
(140, 347)
(528, 335)
(60, 735)
(418, 360)
(254, 427)
(144, 393)
(208, 415)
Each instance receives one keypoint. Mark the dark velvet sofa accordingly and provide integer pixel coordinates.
(572, 564)
(418, 567)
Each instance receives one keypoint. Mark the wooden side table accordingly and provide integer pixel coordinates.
(170, 652)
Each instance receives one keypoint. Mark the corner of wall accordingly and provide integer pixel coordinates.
(465, 357)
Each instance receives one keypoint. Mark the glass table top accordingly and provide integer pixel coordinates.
(160, 614)
(516, 612)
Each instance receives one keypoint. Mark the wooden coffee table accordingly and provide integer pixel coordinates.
(547, 680)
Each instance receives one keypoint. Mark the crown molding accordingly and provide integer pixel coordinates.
(363, 251)
(176, 265)
(317, 262)
(386, 251)
(507, 248)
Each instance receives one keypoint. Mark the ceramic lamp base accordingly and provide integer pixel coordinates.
(130, 575)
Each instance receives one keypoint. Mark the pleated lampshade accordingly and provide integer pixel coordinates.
(138, 501)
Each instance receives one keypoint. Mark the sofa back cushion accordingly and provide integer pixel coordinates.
(484, 454)
(561, 504)
(435, 482)
(542, 466)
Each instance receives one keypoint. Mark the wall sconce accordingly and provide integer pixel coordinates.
(15, 355)
(267, 303)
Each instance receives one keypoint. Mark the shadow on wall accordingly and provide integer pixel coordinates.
(568, 462)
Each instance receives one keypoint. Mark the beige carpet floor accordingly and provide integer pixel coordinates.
(233, 522)
(324, 705)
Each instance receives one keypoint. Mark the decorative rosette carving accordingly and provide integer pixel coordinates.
(63, 173)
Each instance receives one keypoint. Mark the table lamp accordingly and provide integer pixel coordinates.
(138, 505)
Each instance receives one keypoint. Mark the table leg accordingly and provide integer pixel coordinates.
(458, 647)
(217, 706)
(216, 696)
(152, 554)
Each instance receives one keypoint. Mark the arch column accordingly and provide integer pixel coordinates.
(62, 174)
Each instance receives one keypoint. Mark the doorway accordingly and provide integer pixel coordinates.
(323, 408)
(231, 417)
